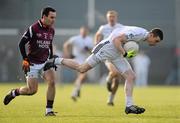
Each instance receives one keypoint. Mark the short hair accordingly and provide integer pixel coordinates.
(45, 11)
(157, 32)
(112, 12)
(84, 27)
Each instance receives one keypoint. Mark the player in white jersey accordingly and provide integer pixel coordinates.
(111, 49)
(79, 47)
(104, 31)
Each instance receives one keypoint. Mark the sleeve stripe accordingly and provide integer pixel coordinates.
(30, 31)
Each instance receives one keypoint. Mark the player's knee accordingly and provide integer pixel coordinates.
(116, 82)
(32, 91)
(113, 74)
(51, 83)
(82, 69)
(131, 77)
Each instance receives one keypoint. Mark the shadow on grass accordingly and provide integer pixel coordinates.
(129, 116)
(153, 116)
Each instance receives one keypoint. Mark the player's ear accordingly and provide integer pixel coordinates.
(151, 34)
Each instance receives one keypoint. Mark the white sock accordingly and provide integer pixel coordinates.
(111, 98)
(129, 101)
(48, 110)
(58, 61)
(76, 89)
(13, 93)
(108, 79)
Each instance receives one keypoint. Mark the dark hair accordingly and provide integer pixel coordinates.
(157, 32)
(45, 11)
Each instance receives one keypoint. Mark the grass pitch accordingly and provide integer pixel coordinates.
(162, 106)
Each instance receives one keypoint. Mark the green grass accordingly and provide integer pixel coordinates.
(162, 106)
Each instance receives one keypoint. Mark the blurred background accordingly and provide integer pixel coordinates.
(17, 15)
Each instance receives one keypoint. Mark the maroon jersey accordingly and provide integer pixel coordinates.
(39, 41)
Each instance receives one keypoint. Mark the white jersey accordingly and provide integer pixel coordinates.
(80, 46)
(106, 29)
(132, 33)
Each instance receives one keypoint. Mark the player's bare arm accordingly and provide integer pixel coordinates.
(98, 37)
(118, 43)
(67, 49)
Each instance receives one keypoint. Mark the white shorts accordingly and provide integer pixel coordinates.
(107, 51)
(120, 63)
(35, 71)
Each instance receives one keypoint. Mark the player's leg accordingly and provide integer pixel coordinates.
(30, 89)
(130, 107)
(90, 62)
(114, 87)
(78, 84)
(82, 68)
(112, 82)
(124, 67)
(128, 88)
(71, 63)
(113, 72)
(49, 76)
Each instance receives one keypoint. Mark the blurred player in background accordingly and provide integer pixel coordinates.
(104, 31)
(79, 47)
(141, 65)
(39, 37)
(111, 49)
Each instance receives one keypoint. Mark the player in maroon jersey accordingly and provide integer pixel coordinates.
(38, 37)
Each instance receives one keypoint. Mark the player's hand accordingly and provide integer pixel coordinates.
(72, 56)
(130, 54)
(26, 65)
(86, 49)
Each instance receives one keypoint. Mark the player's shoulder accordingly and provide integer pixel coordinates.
(136, 28)
(135, 33)
(117, 30)
(105, 26)
(119, 25)
(74, 38)
(35, 26)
